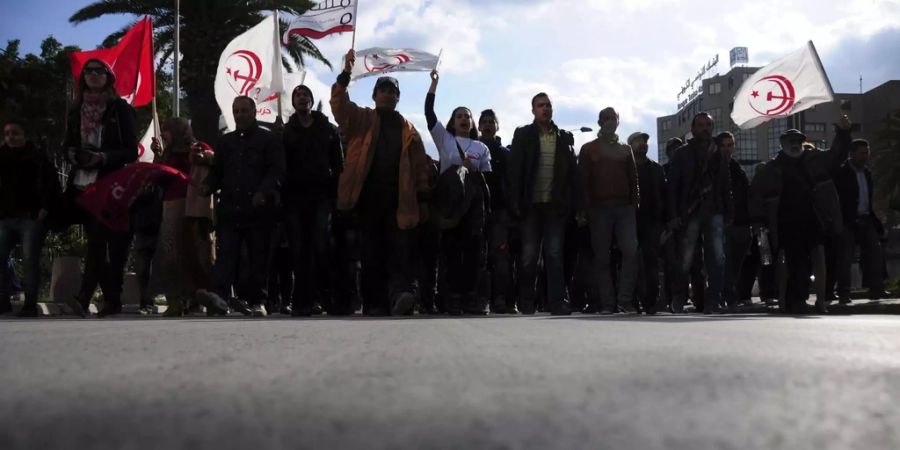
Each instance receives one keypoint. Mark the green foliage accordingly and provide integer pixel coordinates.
(886, 163)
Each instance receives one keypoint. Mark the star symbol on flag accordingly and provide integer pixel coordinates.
(755, 94)
(375, 56)
(228, 71)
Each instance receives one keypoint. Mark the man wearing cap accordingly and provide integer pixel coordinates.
(651, 216)
(314, 161)
(610, 181)
(385, 181)
(544, 193)
(701, 204)
(795, 197)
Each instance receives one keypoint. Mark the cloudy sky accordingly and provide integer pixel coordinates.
(587, 54)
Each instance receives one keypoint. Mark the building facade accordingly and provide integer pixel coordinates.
(868, 111)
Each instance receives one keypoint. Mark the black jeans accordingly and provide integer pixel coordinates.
(463, 251)
(309, 234)
(864, 234)
(499, 225)
(648, 265)
(386, 253)
(230, 237)
(104, 264)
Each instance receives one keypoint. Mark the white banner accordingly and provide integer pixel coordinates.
(145, 153)
(377, 61)
(328, 17)
(251, 66)
(792, 84)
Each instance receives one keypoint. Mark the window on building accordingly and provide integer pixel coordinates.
(814, 128)
(666, 125)
(730, 83)
(776, 127)
(746, 151)
(715, 88)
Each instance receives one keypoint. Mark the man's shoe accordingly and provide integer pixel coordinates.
(28, 310)
(606, 311)
(259, 310)
(404, 304)
(822, 306)
(147, 310)
(627, 308)
(498, 306)
(110, 309)
(175, 308)
(375, 311)
(317, 309)
(561, 309)
(844, 300)
(286, 310)
(214, 303)
(590, 309)
(240, 306)
(78, 309)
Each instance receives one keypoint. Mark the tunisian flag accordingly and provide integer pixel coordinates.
(131, 61)
(327, 17)
(110, 198)
(792, 84)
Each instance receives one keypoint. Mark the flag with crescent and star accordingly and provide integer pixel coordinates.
(787, 86)
(251, 65)
(377, 61)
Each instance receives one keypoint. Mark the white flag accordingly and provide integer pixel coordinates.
(792, 84)
(377, 60)
(251, 66)
(145, 153)
(331, 16)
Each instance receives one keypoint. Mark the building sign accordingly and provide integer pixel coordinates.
(739, 56)
(687, 90)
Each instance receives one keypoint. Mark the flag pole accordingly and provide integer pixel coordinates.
(278, 59)
(156, 128)
(176, 98)
(438, 62)
(353, 39)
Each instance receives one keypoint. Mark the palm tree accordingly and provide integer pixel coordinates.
(207, 26)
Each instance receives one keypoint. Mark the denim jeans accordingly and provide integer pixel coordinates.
(619, 223)
(230, 238)
(543, 232)
(31, 233)
(712, 229)
(310, 238)
(499, 225)
(104, 263)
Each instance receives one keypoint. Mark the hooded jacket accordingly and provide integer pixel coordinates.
(313, 157)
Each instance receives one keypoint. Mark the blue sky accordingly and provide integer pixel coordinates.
(587, 54)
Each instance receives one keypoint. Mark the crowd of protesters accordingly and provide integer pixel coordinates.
(311, 217)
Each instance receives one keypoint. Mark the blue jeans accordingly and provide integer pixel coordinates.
(542, 229)
(606, 223)
(31, 233)
(712, 228)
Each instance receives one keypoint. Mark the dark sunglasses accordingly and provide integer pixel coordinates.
(94, 70)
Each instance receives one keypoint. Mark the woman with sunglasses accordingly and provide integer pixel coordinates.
(100, 139)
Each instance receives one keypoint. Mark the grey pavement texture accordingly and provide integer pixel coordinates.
(692, 382)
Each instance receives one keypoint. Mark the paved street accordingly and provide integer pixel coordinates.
(741, 382)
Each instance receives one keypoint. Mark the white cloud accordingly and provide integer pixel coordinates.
(589, 54)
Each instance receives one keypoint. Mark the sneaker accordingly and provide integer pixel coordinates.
(240, 306)
(146, 310)
(110, 309)
(258, 310)
(214, 303)
(627, 308)
(403, 304)
(285, 310)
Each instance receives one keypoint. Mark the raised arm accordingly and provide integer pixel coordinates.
(430, 116)
(347, 114)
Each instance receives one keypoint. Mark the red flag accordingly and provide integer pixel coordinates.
(110, 197)
(131, 61)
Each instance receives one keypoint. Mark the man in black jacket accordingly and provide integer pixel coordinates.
(499, 222)
(861, 225)
(700, 201)
(737, 235)
(28, 186)
(247, 173)
(314, 160)
(544, 191)
(651, 216)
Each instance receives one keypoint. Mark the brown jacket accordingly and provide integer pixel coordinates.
(360, 127)
(609, 173)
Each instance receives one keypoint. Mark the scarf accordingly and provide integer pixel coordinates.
(92, 108)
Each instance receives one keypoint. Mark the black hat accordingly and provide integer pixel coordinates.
(312, 99)
(382, 81)
(792, 133)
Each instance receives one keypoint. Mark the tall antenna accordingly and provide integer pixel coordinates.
(860, 84)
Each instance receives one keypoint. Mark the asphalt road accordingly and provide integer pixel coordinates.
(692, 382)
